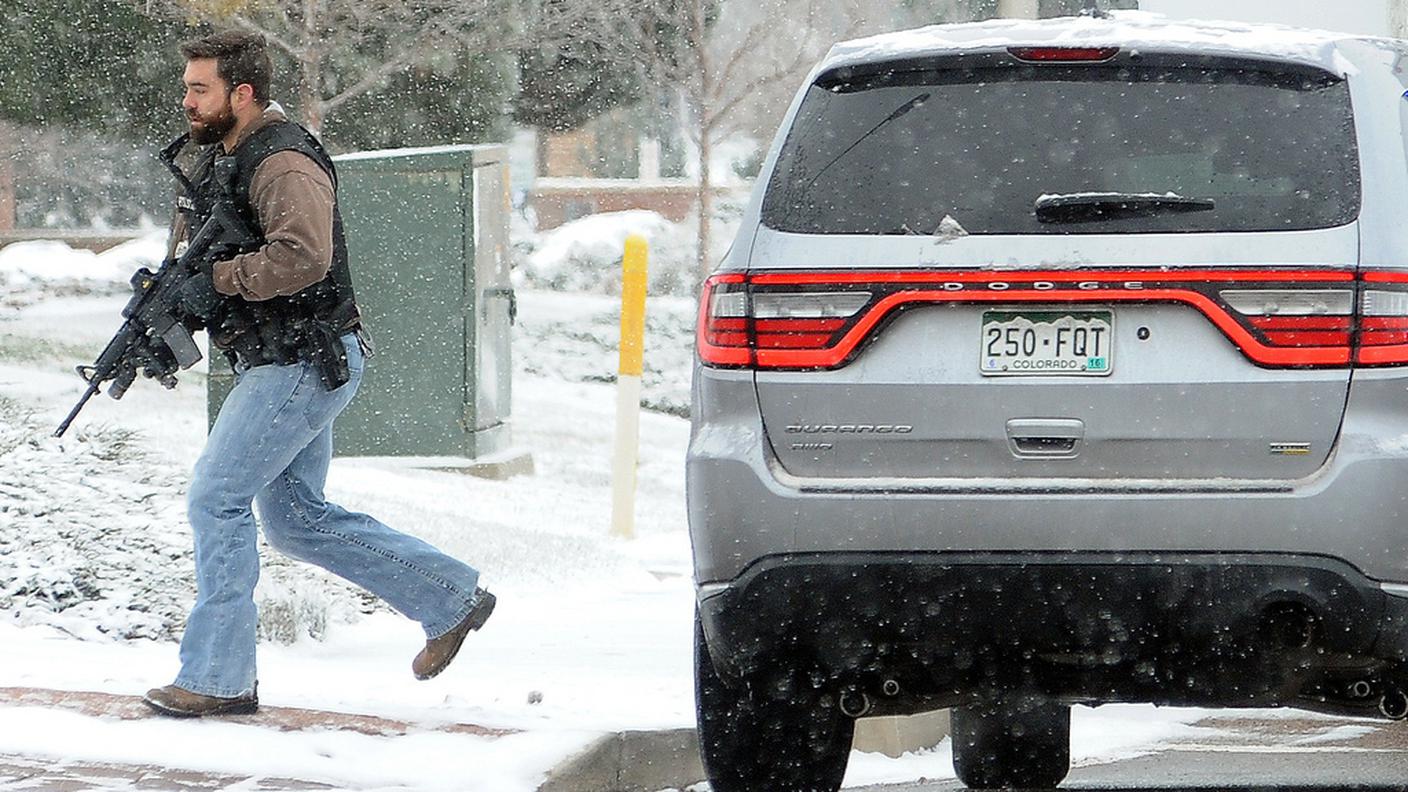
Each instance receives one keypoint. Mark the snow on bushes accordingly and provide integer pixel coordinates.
(585, 254)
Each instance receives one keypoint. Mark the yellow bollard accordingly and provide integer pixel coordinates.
(623, 467)
(633, 306)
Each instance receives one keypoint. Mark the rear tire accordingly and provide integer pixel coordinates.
(1015, 744)
(777, 730)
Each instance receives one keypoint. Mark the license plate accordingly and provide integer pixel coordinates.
(1017, 343)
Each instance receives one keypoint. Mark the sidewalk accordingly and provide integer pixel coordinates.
(107, 705)
(39, 773)
(623, 761)
(552, 679)
(25, 773)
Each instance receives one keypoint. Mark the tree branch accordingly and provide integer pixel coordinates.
(372, 79)
(273, 38)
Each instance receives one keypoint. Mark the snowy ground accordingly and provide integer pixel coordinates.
(592, 633)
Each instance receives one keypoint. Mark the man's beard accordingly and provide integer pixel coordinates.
(213, 128)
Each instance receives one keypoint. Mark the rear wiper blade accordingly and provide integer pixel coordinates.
(898, 112)
(1093, 206)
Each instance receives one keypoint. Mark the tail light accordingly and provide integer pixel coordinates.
(1063, 54)
(742, 326)
(725, 326)
(1290, 318)
(803, 320)
(1383, 323)
(1305, 319)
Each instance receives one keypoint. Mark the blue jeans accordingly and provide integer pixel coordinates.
(271, 444)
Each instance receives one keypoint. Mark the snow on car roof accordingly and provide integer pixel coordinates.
(1125, 29)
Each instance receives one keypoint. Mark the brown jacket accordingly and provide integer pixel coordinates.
(293, 201)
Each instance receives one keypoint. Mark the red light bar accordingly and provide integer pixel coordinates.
(1063, 54)
(1303, 331)
(730, 335)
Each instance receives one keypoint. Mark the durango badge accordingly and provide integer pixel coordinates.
(849, 428)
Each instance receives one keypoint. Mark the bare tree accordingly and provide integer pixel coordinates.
(722, 56)
(370, 41)
(8, 154)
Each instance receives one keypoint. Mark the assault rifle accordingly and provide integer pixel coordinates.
(155, 340)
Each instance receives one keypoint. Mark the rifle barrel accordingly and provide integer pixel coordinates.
(87, 394)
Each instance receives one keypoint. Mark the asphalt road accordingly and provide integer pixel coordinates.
(1247, 754)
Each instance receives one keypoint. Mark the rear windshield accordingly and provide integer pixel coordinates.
(1217, 149)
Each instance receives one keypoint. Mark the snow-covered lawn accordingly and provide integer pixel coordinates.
(592, 633)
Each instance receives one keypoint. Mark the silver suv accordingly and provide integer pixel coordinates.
(1056, 363)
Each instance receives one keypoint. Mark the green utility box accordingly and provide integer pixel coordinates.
(427, 239)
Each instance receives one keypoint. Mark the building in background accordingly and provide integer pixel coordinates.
(611, 164)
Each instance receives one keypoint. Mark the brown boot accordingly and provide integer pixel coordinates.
(438, 652)
(181, 703)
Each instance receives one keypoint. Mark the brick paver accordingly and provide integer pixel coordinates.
(55, 775)
(50, 775)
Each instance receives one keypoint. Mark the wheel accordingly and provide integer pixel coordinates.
(777, 730)
(1015, 744)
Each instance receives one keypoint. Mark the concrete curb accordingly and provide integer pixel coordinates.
(631, 761)
(900, 734)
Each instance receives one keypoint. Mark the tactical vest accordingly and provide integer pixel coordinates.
(302, 326)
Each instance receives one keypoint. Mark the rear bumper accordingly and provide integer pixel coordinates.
(743, 507)
(1186, 629)
(1094, 591)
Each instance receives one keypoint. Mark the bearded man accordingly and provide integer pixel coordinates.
(284, 313)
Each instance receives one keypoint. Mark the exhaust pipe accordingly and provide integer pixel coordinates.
(1394, 704)
(855, 704)
(1360, 689)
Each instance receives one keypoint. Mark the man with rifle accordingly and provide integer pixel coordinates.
(279, 303)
